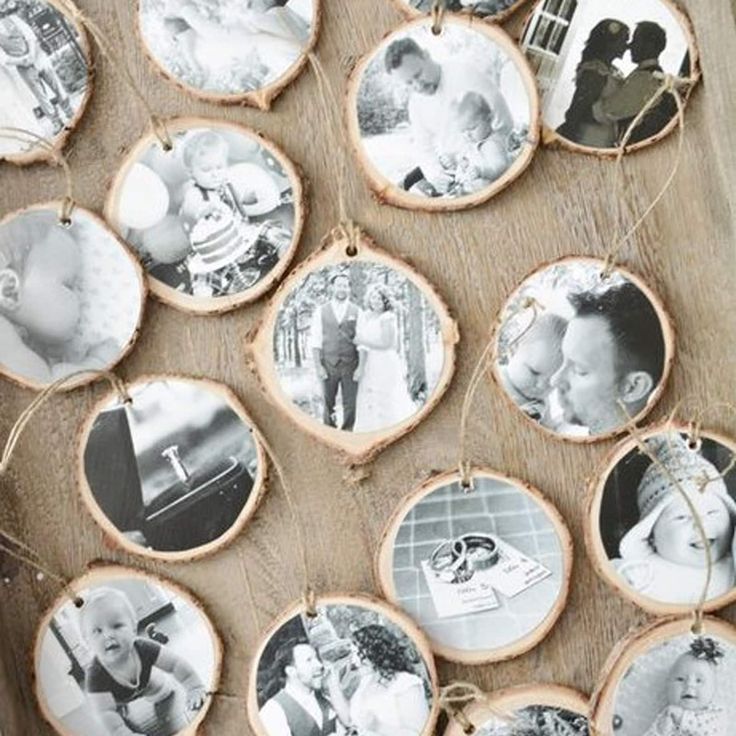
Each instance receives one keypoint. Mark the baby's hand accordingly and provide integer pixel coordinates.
(196, 697)
(447, 161)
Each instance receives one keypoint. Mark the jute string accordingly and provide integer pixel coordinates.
(439, 9)
(457, 695)
(463, 463)
(26, 136)
(669, 85)
(116, 60)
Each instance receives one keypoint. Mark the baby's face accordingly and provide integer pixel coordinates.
(109, 631)
(531, 367)
(48, 303)
(209, 168)
(477, 129)
(692, 683)
(676, 536)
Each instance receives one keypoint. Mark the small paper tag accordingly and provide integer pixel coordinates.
(511, 575)
(457, 599)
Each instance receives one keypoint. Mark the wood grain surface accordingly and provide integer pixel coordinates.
(561, 205)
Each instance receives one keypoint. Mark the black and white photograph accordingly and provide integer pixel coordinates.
(358, 347)
(679, 687)
(176, 470)
(480, 8)
(481, 572)
(537, 720)
(93, 283)
(646, 523)
(227, 47)
(581, 352)
(445, 116)
(44, 71)
(133, 658)
(215, 219)
(599, 64)
(349, 670)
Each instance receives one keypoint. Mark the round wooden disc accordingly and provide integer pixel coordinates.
(620, 536)
(633, 691)
(228, 52)
(559, 368)
(490, 10)
(378, 658)
(589, 100)
(539, 709)
(474, 614)
(119, 609)
(94, 283)
(175, 474)
(390, 307)
(472, 136)
(209, 242)
(45, 77)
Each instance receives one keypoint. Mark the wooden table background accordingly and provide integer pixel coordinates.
(560, 206)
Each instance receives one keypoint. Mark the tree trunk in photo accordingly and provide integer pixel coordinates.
(295, 339)
(417, 358)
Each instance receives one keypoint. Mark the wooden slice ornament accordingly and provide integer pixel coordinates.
(583, 348)
(124, 649)
(484, 570)
(46, 68)
(365, 664)
(667, 673)
(216, 220)
(176, 472)
(229, 51)
(539, 709)
(443, 118)
(356, 347)
(640, 531)
(493, 11)
(71, 295)
(598, 65)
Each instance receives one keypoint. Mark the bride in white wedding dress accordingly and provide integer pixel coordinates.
(383, 397)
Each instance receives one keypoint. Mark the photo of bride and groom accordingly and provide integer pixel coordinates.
(43, 70)
(347, 672)
(598, 71)
(358, 347)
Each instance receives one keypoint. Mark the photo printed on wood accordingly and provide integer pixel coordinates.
(229, 50)
(443, 121)
(215, 221)
(668, 680)
(492, 10)
(527, 710)
(643, 536)
(356, 667)
(599, 63)
(71, 297)
(355, 348)
(174, 474)
(579, 352)
(134, 654)
(45, 75)
(484, 572)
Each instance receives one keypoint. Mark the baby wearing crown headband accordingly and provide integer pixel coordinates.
(663, 555)
(692, 684)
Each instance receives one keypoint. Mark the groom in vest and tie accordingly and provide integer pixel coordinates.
(299, 708)
(334, 351)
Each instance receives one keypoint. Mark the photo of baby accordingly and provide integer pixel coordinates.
(174, 470)
(214, 220)
(647, 527)
(580, 354)
(227, 48)
(682, 687)
(537, 720)
(478, 571)
(44, 71)
(134, 659)
(349, 670)
(444, 116)
(93, 283)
